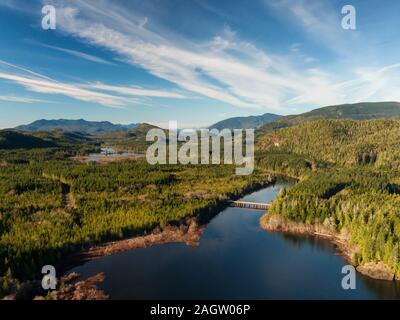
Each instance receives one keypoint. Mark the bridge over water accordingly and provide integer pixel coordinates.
(251, 205)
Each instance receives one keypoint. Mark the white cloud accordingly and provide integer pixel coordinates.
(368, 85)
(88, 92)
(380, 84)
(135, 91)
(76, 53)
(49, 87)
(25, 70)
(225, 68)
(21, 99)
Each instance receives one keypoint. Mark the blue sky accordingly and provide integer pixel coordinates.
(196, 62)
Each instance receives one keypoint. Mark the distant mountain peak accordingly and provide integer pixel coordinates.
(79, 125)
(250, 122)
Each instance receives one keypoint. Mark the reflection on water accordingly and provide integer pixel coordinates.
(298, 241)
(236, 259)
(383, 289)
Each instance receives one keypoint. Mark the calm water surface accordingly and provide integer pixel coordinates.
(236, 259)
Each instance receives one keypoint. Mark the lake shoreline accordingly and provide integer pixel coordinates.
(276, 223)
(188, 231)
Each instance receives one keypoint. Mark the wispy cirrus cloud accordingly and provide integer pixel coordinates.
(224, 68)
(369, 84)
(87, 92)
(39, 85)
(20, 99)
(135, 91)
(24, 70)
(74, 53)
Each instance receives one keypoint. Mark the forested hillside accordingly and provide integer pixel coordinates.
(349, 178)
(251, 122)
(51, 206)
(340, 142)
(132, 140)
(14, 140)
(349, 181)
(357, 111)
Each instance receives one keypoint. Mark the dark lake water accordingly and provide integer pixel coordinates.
(236, 259)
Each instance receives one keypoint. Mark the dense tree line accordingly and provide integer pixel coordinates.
(112, 201)
(348, 174)
(361, 201)
(353, 183)
(340, 142)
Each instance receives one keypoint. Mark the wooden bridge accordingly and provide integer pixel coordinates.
(251, 205)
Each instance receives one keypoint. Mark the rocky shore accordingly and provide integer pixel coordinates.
(72, 289)
(69, 287)
(277, 223)
(187, 231)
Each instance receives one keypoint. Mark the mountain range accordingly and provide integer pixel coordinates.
(267, 121)
(356, 111)
(245, 122)
(49, 133)
(89, 127)
(134, 138)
